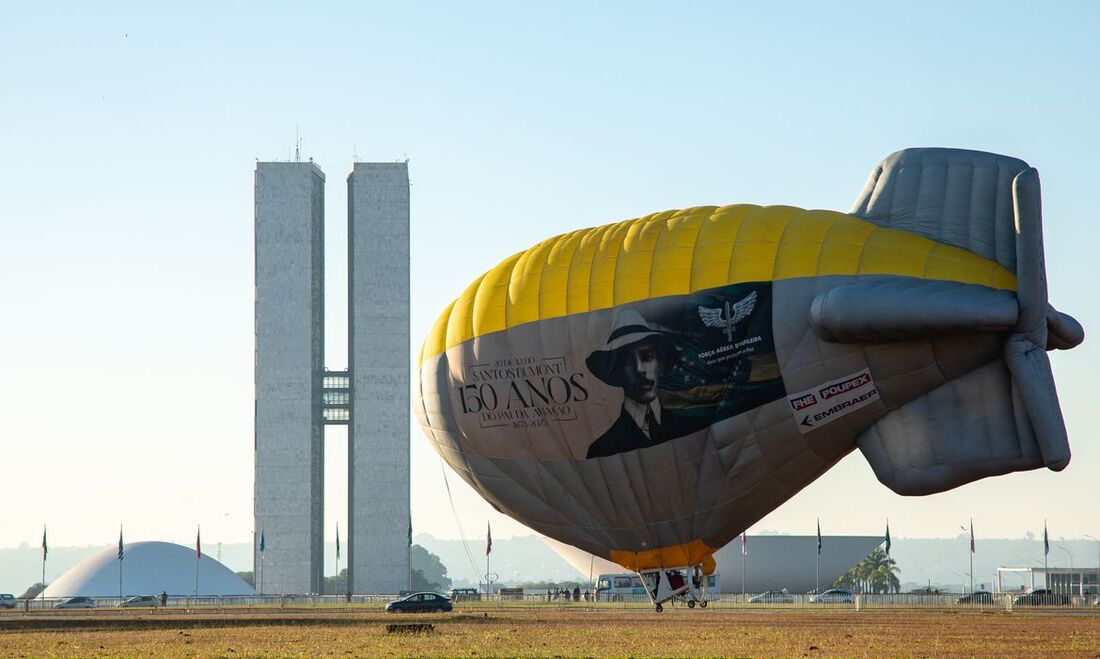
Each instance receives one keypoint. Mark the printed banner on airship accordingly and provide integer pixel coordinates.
(815, 407)
(621, 379)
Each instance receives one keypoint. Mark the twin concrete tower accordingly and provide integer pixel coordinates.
(296, 396)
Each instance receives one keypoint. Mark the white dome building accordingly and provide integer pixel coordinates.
(148, 568)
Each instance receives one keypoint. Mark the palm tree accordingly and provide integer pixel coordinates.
(877, 573)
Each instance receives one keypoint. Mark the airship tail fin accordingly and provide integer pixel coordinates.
(1025, 349)
(954, 196)
(1007, 411)
(967, 429)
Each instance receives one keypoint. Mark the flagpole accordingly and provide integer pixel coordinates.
(198, 558)
(263, 546)
(971, 555)
(887, 543)
(1046, 551)
(44, 552)
(744, 553)
(120, 562)
(818, 566)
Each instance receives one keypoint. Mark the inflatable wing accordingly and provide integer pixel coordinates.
(648, 389)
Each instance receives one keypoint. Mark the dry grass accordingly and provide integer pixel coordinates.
(570, 633)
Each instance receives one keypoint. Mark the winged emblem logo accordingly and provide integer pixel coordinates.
(726, 319)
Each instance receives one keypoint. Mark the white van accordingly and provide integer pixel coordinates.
(628, 587)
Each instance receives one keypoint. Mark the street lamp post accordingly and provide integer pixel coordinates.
(1070, 554)
(1097, 567)
(963, 578)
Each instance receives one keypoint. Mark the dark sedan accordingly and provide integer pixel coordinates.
(980, 597)
(421, 603)
(1042, 597)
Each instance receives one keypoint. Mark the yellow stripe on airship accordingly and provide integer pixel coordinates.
(679, 252)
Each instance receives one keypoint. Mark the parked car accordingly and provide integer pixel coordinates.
(465, 594)
(772, 597)
(1042, 597)
(7, 601)
(833, 596)
(421, 603)
(140, 600)
(979, 597)
(76, 603)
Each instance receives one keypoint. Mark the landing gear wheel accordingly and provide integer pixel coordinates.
(660, 608)
(703, 604)
(691, 604)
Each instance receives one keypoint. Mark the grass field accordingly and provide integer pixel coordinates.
(561, 633)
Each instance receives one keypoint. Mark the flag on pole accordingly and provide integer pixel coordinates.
(262, 543)
(1046, 539)
(744, 545)
(198, 544)
(887, 537)
(337, 541)
(489, 540)
(410, 533)
(45, 549)
(971, 536)
(120, 542)
(819, 536)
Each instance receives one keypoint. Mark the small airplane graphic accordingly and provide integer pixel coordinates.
(733, 314)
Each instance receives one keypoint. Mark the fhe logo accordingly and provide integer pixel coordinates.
(802, 402)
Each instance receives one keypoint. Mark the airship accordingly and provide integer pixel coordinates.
(648, 389)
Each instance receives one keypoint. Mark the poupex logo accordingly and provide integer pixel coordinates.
(845, 386)
(734, 314)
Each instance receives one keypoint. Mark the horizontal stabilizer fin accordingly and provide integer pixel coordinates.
(879, 309)
(1063, 330)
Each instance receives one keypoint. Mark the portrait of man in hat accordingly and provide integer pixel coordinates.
(634, 358)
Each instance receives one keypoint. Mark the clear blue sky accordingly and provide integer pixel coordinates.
(130, 134)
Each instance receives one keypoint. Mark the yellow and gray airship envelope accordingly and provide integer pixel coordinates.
(646, 390)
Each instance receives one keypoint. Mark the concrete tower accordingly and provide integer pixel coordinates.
(290, 331)
(378, 332)
(296, 396)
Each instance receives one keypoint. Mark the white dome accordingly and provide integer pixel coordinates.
(148, 568)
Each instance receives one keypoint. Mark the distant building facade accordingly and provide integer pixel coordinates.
(296, 396)
(1080, 581)
(769, 562)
